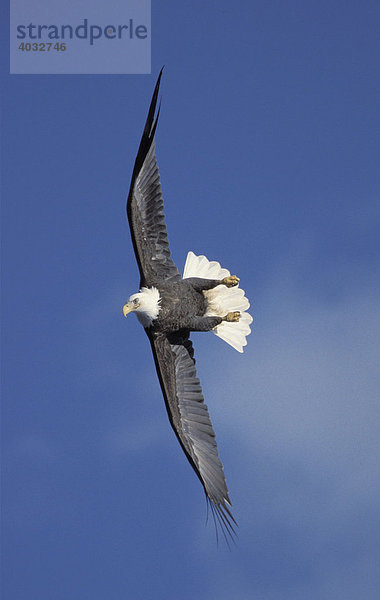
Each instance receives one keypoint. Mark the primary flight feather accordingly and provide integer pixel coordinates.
(206, 298)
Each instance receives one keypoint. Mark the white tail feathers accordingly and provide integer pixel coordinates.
(222, 300)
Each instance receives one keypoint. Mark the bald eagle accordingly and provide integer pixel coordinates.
(205, 298)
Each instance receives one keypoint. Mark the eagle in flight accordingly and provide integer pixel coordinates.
(170, 306)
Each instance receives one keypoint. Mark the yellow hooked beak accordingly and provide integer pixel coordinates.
(127, 308)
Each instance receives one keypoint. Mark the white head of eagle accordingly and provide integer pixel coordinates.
(146, 305)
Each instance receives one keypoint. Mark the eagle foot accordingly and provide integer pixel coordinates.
(230, 281)
(232, 317)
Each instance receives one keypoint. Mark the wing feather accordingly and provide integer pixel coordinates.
(145, 209)
(189, 417)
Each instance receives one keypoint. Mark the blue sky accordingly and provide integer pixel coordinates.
(269, 164)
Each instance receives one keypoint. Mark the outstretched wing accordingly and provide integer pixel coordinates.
(145, 209)
(189, 417)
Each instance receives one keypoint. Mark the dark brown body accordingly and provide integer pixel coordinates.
(183, 306)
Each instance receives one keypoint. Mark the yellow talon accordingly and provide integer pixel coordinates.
(232, 317)
(230, 281)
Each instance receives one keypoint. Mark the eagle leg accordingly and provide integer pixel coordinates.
(200, 284)
(197, 323)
